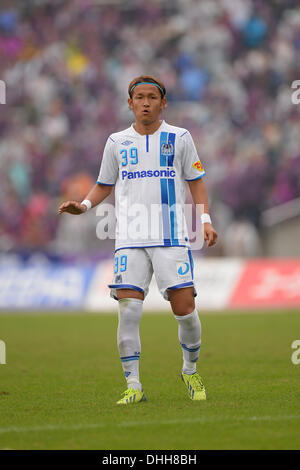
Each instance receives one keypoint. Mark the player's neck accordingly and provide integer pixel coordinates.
(147, 129)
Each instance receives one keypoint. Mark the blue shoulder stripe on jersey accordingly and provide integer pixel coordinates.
(198, 177)
(104, 184)
(111, 139)
(183, 133)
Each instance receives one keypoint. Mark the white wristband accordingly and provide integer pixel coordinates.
(205, 218)
(87, 203)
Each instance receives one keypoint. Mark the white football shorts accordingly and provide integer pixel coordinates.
(133, 269)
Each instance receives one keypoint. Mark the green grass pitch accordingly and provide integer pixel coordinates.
(59, 387)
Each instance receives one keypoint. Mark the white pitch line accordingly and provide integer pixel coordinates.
(126, 424)
(225, 420)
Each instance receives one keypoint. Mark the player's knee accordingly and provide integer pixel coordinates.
(183, 307)
(182, 301)
(184, 310)
(126, 342)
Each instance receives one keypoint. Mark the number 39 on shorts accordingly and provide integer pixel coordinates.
(120, 264)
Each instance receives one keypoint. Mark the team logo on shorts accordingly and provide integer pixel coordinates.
(118, 279)
(183, 268)
(167, 149)
(198, 166)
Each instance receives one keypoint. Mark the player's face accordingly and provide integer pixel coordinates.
(146, 103)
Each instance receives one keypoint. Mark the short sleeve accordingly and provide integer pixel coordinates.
(109, 169)
(192, 166)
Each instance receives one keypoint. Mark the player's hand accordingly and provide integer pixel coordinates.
(210, 235)
(72, 207)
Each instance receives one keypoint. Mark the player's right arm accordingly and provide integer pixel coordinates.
(106, 180)
(96, 195)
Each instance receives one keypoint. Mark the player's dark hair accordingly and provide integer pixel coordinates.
(148, 79)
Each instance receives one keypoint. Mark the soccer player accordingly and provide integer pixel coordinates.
(148, 164)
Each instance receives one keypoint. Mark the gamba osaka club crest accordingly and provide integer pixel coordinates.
(167, 149)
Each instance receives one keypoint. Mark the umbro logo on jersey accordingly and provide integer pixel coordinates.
(127, 142)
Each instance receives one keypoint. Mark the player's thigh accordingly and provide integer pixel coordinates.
(173, 269)
(132, 273)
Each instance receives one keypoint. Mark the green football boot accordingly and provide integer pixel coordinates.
(195, 386)
(131, 397)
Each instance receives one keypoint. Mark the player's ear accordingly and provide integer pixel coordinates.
(164, 103)
(130, 103)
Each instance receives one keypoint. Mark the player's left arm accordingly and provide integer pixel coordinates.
(199, 195)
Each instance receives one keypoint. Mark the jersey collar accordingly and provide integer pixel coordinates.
(154, 133)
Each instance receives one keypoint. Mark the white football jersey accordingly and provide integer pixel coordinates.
(149, 174)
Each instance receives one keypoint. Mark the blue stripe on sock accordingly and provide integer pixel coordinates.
(184, 346)
(129, 358)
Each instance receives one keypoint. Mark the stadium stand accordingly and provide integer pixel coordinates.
(228, 66)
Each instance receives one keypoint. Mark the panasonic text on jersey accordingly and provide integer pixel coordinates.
(166, 173)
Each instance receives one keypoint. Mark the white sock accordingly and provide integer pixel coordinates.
(128, 337)
(189, 334)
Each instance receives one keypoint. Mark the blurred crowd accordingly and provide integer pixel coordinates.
(228, 66)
